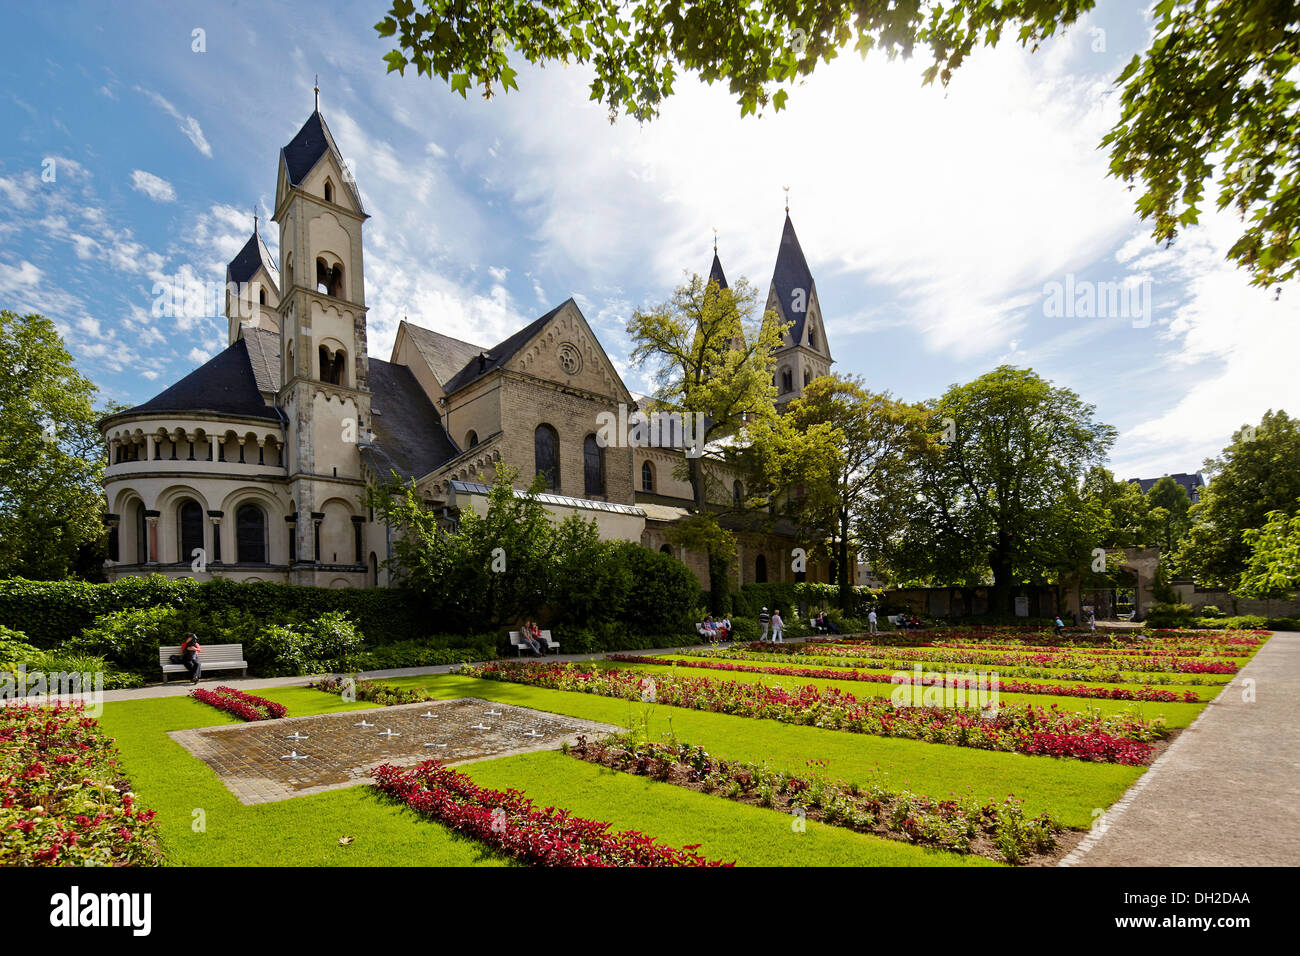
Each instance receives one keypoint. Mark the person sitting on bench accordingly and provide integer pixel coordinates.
(531, 635)
(190, 651)
(825, 625)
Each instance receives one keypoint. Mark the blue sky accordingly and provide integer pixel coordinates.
(936, 222)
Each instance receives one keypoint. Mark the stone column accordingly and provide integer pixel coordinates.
(291, 521)
(316, 518)
(151, 519)
(215, 517)
(358, 524)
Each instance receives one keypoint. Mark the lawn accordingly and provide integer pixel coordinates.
(305, 831)
(1068, 789)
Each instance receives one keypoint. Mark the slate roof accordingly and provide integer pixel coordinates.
(716, 274)
(264, 356)
(791, 274)
(409, 435)
(445, 355)
(501, 353)
(225, 384)
(252, 257)
(1191, 484)
(306, 148)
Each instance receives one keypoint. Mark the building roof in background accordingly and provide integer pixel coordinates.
(1191, 483)
(789, 277)
(500, 353)
(446, 356)
(224, 384)
(409, 436)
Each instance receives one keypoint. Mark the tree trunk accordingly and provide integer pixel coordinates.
(845, 579)
(1000, 564)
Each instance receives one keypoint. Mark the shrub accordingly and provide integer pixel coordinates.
(1171, 615)
(131, 638)
(427, 652)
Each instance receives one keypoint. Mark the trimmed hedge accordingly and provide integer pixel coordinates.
(51, 613)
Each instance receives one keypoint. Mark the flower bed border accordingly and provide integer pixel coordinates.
(237, 703)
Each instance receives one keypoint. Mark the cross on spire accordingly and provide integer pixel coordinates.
(316, 90)
(787, 199)
(715, 240)
(254, 218)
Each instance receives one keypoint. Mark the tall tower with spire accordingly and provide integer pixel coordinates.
(324, 389)
(252, 287)
(804, 353)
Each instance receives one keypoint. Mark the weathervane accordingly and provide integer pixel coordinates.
(715, 240)
(316, 90)
(787, 198)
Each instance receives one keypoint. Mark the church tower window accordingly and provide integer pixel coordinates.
(546, 455)
(329, 191)
(647, 476)
(190, 522)
(787, 381)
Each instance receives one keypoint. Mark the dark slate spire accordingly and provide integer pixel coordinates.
(305, 149)
(792, 280)
(716, 274)
(253, 256)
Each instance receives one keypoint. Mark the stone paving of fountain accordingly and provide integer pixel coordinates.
(336, 752)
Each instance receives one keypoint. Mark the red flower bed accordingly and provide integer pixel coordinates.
(1117, 738)
(63, 801)
(508, 821)
(241, 705)
(1004, 686)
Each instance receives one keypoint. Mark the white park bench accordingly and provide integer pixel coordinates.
(213, 657)
(518, 643)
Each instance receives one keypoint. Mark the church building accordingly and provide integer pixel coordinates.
(255, 466)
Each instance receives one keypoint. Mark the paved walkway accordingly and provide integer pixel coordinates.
(180, 686)
(1227, 791)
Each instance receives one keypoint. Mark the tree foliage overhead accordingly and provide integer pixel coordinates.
(638, 50)
(1212, 99)
(1273, 570)
(51, 453)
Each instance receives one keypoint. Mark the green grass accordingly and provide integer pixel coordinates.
(726, 830)
(303, 831)
(1068, 789)
(1176, 714)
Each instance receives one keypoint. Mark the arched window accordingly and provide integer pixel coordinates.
(666, 549)
(329, 191)
(807, 377)
(593, 466)
(189, 520)
(261, 296)
(333, 367)
(374, 570)
(250, 535)
(760, 569)
(471, 439)
(329, 281)
(546, 455)
(812, 338)
(737, 493)
(647, 476)
(787, 381)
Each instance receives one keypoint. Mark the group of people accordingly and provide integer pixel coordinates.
(773, 621)
(531, 635)
(716, 630)
(823, 624)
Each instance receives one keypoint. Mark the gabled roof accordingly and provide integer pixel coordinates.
(252, 257)
(1191, 483)
(307, 148)
(409, 434)
(264, 356)
(501, 353)
(225, 384)
(446, 356)
(790, 275)
(715, 272)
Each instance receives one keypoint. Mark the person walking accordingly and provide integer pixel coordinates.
(1060, 625)
(778, 627)
(1092, 622)
(190, 651)
(764, 619)
(871, 621)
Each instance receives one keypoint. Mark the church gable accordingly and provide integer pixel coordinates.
(566, 351)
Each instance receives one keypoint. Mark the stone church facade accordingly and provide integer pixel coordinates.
(254, 466)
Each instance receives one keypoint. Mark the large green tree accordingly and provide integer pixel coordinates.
(1212, 99)
(878, 436)
(1258, 473)
(1167, 508)
(52, 456)
(711, 358)
(998, 493)
(1273, 570)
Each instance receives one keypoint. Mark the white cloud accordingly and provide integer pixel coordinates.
(188, 124)
(155, 187)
